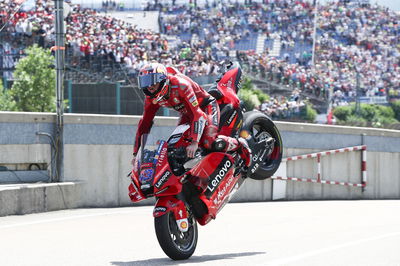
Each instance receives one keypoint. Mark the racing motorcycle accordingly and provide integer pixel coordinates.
(193, 190)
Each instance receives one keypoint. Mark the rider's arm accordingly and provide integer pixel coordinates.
(192, 105)
(146, 122)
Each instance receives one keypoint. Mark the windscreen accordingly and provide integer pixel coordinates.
(147, 159)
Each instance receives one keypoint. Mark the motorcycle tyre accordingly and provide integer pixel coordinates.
(249, 120)
(163, 233)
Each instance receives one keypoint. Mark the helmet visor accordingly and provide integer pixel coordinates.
(150, 79)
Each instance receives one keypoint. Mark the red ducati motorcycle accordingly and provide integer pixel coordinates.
(191, 191)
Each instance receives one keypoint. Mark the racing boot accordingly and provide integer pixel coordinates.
(244, 151)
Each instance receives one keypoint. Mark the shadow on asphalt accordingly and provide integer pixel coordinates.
(193, 259)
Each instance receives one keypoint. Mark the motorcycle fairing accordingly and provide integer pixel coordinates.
(231, 78)
(218, 169)
(168, 204)
(134, 193)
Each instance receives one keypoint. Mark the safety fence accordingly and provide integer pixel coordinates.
(318, 155)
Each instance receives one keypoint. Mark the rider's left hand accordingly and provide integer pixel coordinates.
(192, 148)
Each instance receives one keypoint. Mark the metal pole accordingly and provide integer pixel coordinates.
(315, 32)
(59, 52)
(358, 92)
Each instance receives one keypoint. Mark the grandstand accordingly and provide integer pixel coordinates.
(272, 40)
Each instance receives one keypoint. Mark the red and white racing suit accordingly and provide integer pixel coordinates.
(197, 108)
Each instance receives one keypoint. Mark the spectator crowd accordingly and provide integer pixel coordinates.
(355, 44)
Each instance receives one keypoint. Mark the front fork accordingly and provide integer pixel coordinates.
(168, 204)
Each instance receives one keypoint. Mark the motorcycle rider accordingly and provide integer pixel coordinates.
(167, 87)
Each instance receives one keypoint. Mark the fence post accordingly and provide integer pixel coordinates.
(363, 162)
(118, 97)
(69, 86)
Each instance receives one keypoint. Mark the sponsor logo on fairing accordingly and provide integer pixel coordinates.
(163, 179)
(162, 156)
(160, 209)
(214, 114)
(231, 118)
(220, 175)
(146, 175)
(223, 191)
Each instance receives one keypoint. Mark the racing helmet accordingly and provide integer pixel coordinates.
(153, 80)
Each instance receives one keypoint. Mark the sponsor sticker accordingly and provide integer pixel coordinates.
(192, 99)
(195, 103)
(223, 168)
(164, 177)
(160, 209)
(231, 118)
(179, 107)
(184, 225)
(146, 175)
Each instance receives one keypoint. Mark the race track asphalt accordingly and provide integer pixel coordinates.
(268, 233)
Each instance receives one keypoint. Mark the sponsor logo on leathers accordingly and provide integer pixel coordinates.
(179, 107)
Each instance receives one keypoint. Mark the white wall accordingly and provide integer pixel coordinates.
(98, 149)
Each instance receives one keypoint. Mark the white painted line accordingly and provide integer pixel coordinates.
(69, 218)
(328, 249)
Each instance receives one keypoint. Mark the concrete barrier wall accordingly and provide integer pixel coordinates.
(98, 149)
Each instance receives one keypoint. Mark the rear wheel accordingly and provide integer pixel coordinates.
(261, 128)
(176, 244)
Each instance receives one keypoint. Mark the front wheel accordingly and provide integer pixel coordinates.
(176, 244)
(260, 127)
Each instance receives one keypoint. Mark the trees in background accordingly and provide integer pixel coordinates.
(34, 87)
(252, 98)
(7, 102)
(370, 115)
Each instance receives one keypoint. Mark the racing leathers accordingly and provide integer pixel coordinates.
(198, 109)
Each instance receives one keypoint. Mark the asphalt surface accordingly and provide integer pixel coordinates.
(268, 233)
